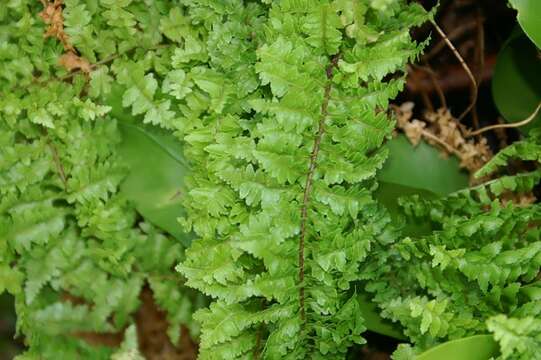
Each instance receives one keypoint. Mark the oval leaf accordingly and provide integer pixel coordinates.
(529, 18)
(515, 86)
(422, 167)
(477, 347)
(155, 182)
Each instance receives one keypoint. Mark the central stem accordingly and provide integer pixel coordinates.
(310, 177)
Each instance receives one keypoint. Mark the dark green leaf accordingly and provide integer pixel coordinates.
(515, 86)
(532, 291)
(388, 195)
(422, 167)
(155, 183)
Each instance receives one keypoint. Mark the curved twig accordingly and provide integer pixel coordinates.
(466, 68)
(511, 125)
(433, 77)
(448, 147)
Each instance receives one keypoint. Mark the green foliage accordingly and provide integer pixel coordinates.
(129, 349)
(257, 193)
(422, 167)
(528, 149)
(475, 347)
(516, 92)
(156, 164)
(480, 260)
(519, 338)
(74, 251)
(262, 125)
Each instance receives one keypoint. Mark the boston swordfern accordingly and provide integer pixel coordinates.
(280, 191)
(280, 108)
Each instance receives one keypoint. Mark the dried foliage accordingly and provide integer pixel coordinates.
(53, 16)
(71, 62)
(439, 128)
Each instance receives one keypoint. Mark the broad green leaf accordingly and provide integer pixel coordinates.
(515, 85)
(155, 183)
(422, 167)
(374, 322)
(529, 18)
(477, 347)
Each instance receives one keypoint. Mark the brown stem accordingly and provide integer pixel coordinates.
(433, 77)
(310, 177)
(480, 57)
(58, 165)
(473, 97)
(511, 125)
(448, 147)
(453, 35)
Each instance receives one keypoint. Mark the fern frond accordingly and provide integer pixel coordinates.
(281, 188)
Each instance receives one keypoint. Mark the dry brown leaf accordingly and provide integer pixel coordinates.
(52, 16)
(440, 129)
(152, 325)
(152, 333)
(72, 61)
(518, 199)
(404, 113)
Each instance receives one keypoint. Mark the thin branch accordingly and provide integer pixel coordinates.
(453, 35)
(480, 57)
(511, 125)
(309, 180)
(448, 147)
(59, 166)
(473, 98)
(433, 77)
(424, 95)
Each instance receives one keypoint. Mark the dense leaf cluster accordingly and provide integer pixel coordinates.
(280, 195)
(480, 259)
(282, 109)
(74, 252)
